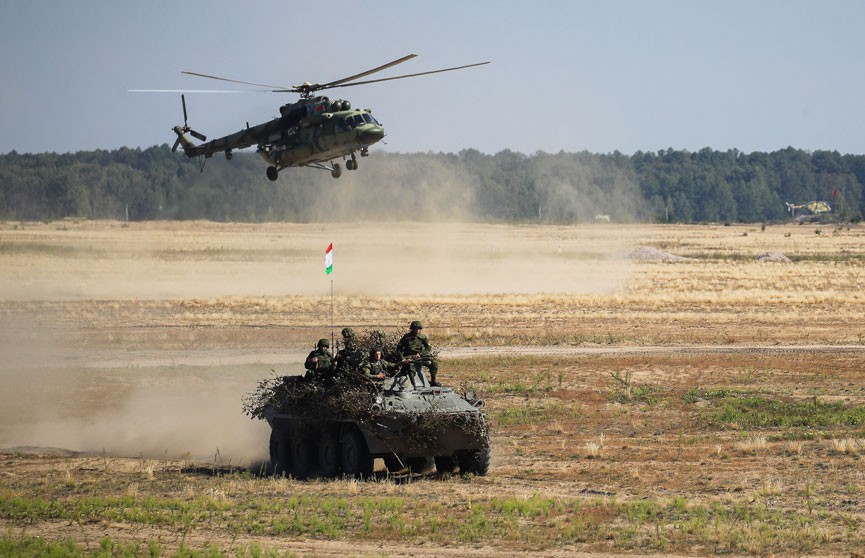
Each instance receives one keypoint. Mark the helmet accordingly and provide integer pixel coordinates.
(323, 342)
(415, 325)
(347, 332)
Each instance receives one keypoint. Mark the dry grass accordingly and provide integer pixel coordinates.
(753, 445)
(847, 445)
(270, 276)
(98, 314)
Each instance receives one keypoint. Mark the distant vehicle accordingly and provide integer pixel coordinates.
(311, 132)
(814, 207)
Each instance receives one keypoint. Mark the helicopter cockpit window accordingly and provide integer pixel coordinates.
(349, 123)
(358, 120)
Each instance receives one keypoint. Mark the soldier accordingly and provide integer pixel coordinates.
(375, 367)
(414, 345)
(319, 362)
(349, 358)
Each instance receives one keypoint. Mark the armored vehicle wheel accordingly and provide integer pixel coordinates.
(300, 455)
(419, 464)
(356, 460)
(475, 462)
(329, 457)
(393, 464)
(445, 464)
(279, 456)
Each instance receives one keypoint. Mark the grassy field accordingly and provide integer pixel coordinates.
(654, 390)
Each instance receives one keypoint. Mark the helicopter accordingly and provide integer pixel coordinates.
(311, 132)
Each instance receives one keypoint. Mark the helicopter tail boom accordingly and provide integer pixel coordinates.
(189, 148)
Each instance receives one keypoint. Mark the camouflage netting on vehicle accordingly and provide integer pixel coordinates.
(428, 426)
(353, 397)
(344, 397)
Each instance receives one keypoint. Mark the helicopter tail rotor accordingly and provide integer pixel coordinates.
(195, 134)
(185, 128)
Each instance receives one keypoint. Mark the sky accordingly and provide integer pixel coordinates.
(571, 75)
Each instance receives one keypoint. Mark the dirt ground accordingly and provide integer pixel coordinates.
(612, 381)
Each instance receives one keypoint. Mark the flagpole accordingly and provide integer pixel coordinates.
(328, 270)
(331, 312)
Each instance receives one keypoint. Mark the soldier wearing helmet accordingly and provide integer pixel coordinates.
(414, 345)
(319, 362)
(349, 358)
(375, 367)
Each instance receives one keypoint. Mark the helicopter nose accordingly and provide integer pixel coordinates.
(372, 135)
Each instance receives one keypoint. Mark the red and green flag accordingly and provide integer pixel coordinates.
(328, 259)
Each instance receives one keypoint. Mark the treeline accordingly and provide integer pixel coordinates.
(666, 186)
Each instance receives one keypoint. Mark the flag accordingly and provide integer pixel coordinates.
(328, 259)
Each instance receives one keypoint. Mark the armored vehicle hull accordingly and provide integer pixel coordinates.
(341, 428)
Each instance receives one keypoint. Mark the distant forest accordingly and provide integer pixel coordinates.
(666, 186)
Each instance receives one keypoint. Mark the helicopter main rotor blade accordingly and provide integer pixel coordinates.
(199, 91)
(368, 72)
(307, 88)
(283, 89)
(183, 100)
(328, 86)
(234, 80)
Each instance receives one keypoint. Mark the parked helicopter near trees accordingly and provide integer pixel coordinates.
(311, 132)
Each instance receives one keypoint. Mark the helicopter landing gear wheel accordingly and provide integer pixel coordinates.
(351, 164)
(337, 170)
(272, 173)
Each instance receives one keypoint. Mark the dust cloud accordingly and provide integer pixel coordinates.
(190, 412)
(159, 422)
(409, 188)
(438, 188)
(58, 394)
(202, 260)
(455, 259)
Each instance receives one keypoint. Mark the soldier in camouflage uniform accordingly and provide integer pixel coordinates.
(349, 358)
(376, 368)
(414, 345)
(319, 363)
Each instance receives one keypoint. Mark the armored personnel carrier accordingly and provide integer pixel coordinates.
(340, 426)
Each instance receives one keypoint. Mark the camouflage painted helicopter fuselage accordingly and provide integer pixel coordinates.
(310, 132)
